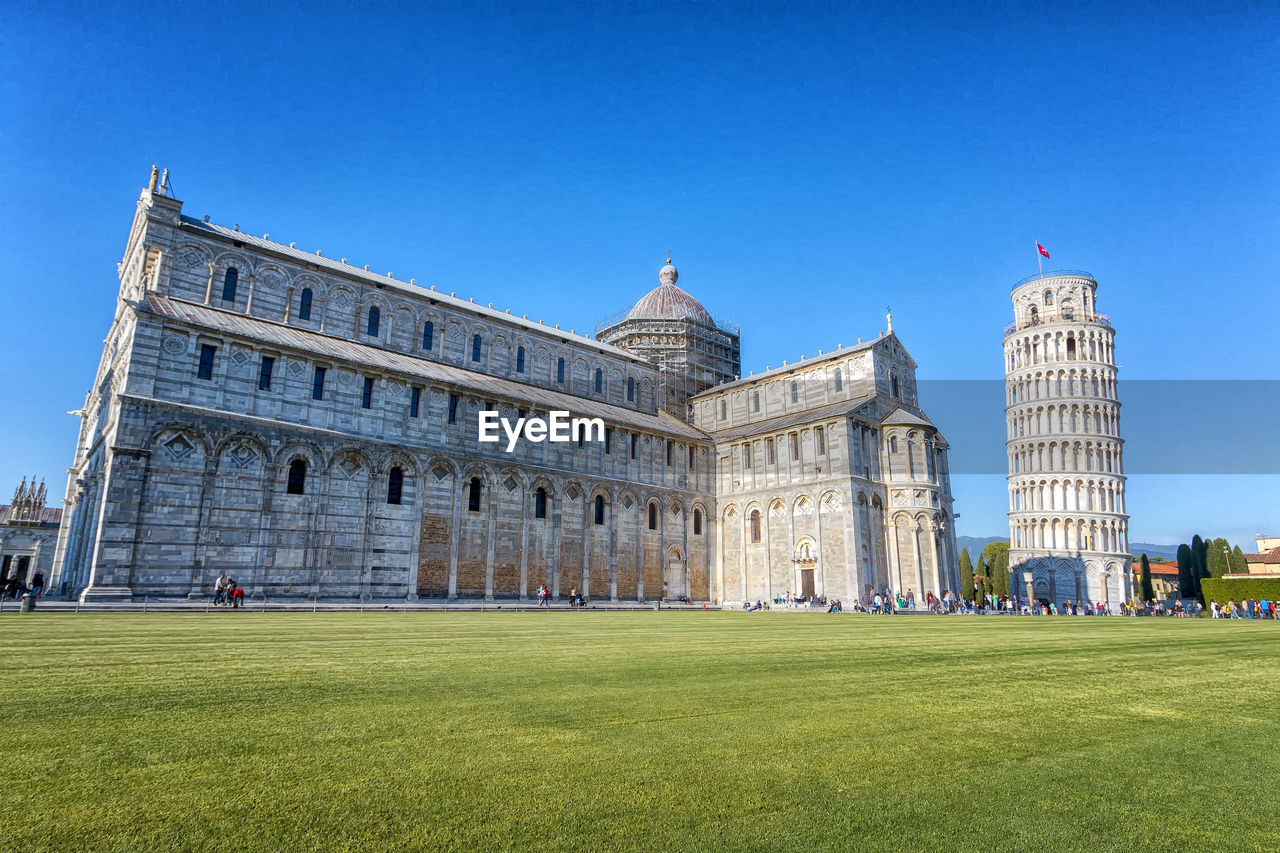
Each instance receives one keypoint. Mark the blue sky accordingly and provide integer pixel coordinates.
(808, 164)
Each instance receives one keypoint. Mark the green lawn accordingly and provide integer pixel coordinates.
(589, 731)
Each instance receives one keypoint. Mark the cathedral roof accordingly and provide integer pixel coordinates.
(313, 259)
(354, 352)
(667, 301)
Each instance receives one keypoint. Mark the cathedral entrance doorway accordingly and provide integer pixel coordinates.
(673, 585)
(806, 568)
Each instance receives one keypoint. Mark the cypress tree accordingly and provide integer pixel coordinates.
(1186, 572)
(1199, 554)
(1238, 564)
(1199, 551)
(966, 575)
(1218, 560)
(997, 568)
(1148, 593)
(1002, 572)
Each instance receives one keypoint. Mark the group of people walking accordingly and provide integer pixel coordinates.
(1250, 608)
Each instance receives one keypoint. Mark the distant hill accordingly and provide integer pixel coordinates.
(975, 544)
(1153, 552)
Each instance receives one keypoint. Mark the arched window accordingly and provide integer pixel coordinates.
(304, 304)
(1071, 349)
(653, 516)
(893, 385)
(1035, 316)
(229, 284)
(893, 444)
(755, 525)
(795, 392)
(375, 320)
(839, 380)
(473, 495)
(475, 347)
(560, 370)
(755, 401)
(697, 522)
(1048, 297)
(519, 359)
(395, 485)
(599, 381)
(631, 389)
(297, 477)
(540, 503)
(599, 509)
(724, 410)
(428, 334)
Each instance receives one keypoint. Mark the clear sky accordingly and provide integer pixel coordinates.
(808, 164)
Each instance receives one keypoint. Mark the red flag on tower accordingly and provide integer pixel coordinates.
(1042, 250)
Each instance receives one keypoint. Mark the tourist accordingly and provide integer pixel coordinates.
(37, 584)
(219, 589)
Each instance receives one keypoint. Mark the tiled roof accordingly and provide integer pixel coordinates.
(480, 384)
(305, 258)
(1163, 568)
(48, 516)
(804, 364)
(901, 417)
(807, 416)
(1273, 556)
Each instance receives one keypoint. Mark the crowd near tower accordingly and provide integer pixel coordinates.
(1068, 530)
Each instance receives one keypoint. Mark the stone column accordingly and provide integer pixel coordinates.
(893, 553)
(461, 484)
(524, 544)
(114, 548)
(715, 561)
(491, 545)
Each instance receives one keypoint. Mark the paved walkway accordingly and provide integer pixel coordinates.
(173, 605)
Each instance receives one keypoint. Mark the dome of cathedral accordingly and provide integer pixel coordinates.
(669, 302)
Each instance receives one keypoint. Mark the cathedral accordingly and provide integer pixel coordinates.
(310, 429)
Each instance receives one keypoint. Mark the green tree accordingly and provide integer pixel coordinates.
(1148, 594)
(1186, 572)
(997, 569)
(1199, 553)
(1238, 564)
(966, 575)
(1218, 559)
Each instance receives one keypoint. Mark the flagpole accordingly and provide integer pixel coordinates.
(1039, 263)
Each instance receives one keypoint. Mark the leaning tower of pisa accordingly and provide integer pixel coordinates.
(1068, 531)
